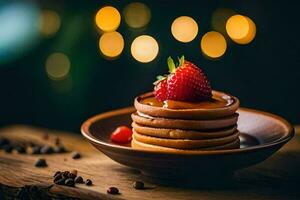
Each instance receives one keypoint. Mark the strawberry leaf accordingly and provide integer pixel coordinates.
(171, 65)
(159, 78)
(181, 60)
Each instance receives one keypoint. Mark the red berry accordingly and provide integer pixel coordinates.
(112, 190)
(121, 135)
(185, 83)
(160, 90)
(188, 83)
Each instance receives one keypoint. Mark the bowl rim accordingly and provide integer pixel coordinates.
(89, 136)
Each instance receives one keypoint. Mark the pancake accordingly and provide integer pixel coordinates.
(158, 122)
(182, 134)
(149, 147)
(191, 113)
(184, 143)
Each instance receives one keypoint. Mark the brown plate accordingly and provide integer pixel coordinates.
(262, 134)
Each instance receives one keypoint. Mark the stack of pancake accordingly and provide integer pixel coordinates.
(207, 126)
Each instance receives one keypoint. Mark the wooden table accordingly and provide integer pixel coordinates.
(276, 178)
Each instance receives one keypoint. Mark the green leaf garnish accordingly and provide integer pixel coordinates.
(181, 60)
(171, 65)
(159, 78)
(172, 68)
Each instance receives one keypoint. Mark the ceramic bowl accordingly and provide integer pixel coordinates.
(262, 134)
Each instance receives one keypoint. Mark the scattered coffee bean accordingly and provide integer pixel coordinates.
(56, 173)
(113, 190)
(59, 149)
(138, 185)
(21, 150)
(70, 182)
(7, 148)
(41, 163)
(60, 181)
(4, 141)
(69, 178)
(47, 149)
(78, 179)
(72, 176)
(65, 174)
(88, 182)
(57, 178)
(36, 150)
(76, 155)
(74, 171)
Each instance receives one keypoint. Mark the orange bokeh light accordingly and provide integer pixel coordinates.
(108, 19)
(241, 29)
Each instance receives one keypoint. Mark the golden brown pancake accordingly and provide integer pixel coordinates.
(182, 134)
(158, 122)
(149, 147)
(190, 113)
(184, 143)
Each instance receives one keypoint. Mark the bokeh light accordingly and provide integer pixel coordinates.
(108, 19)
(111, 44)
(18, 29)
(49, 22)
(213, 44)
(241, 29)
(219, 19)
(57, 66)
(137, 15)
(184, 29)
(144, 48)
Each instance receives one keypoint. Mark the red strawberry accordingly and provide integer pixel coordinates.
(185, 83)
(160, 90)
(121, 135)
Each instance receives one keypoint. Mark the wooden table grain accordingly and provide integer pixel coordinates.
(276, 178)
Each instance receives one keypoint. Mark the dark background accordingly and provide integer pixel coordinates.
(263, 74)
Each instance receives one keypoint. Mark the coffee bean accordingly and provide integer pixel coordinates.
(74, 171)
(113, 190)
(76, 155)
(65, 174)
(72, 176)
(56, 173)
(57, 178)
(41, 163)
(138, 185)
(78, 179)
(7, 148)
(60, 181)
(89, 182)
(4, 141)
(47, 149)
(21, 150)
(59, 149)
(70, 182)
